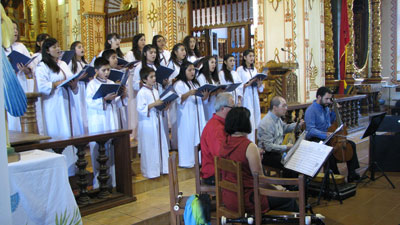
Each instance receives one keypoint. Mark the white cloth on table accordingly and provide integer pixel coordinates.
(40, 190)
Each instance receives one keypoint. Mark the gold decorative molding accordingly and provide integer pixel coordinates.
(313, 72)
(276, 6)
(329, 54)
(76, 30)
(42, 5)
(376, 67)
(152, 16)
(350, 49)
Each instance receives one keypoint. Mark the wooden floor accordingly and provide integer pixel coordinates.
(375, 203)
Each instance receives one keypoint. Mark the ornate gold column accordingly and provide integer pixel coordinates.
(42, 16)
(329, 54)
(93, 30)
(30, 28)
(376, 68)
(350, 49)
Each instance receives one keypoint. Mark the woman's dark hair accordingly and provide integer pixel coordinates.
(74, 58)
(210, 76)
(154, 42)
(40, 38)
(190, 52)
(108, 45)
(227, 73)
(46, 57)
(145, 72)
(174, 57)
(245, 53)
(238, 120)
(182, 74)
(144, 59)
(135, 46)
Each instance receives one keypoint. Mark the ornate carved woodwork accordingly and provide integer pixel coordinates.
(28, 120)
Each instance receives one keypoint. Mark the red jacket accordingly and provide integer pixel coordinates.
(211, 140)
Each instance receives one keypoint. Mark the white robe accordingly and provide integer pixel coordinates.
(251, 100)
(172, 111)
(56, 106)
(14, 123)
(101, 119)
(132, 112)
(164, 57)
(152, 140)
(236, 79)
(208, 105)
(38, 104)
(191, 121)
(79, 110)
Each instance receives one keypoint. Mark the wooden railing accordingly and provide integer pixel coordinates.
(349, 111)
(220, 13)
(124, 23)
(102, 198)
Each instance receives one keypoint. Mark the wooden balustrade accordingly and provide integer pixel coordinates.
(99, 199)
(124, 23)
(220, 13)
(349, 111)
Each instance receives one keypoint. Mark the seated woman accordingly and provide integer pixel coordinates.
(239, 148)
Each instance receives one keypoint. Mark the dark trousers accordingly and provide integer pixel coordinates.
(273, 159)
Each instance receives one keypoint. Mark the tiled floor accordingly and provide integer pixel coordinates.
(375, 203)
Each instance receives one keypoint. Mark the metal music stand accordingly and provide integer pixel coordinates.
(373, 165)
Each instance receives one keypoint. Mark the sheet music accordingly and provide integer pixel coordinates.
(308, 158)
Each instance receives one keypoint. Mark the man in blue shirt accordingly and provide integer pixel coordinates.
(319, 117)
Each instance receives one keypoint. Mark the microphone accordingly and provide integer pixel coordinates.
(285, 50)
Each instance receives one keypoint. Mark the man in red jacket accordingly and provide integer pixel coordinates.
(213, 136)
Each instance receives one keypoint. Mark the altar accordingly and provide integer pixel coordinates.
(40, 190)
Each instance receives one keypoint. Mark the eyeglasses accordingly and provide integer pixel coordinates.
(227, 106)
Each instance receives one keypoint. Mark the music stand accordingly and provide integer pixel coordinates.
(373, 126)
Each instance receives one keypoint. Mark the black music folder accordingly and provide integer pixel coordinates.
(67, 56)
(259, 76)
(115, 75)
(207, 87)
(16, 57)
(106, 89)
(163, 73)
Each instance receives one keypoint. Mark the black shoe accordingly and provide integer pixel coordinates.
(353, 177)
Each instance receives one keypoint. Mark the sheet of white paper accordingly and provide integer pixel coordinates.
(308, 157)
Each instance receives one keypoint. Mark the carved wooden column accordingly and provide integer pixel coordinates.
(376, 68)
(81, 163)
(350, 49)
(28, 120)
(42, 16)
(329, 54)
(103, 174)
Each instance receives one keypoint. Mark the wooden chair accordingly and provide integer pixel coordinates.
(260, 182)
(177, 200)
(227, 165)
(200, 186)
